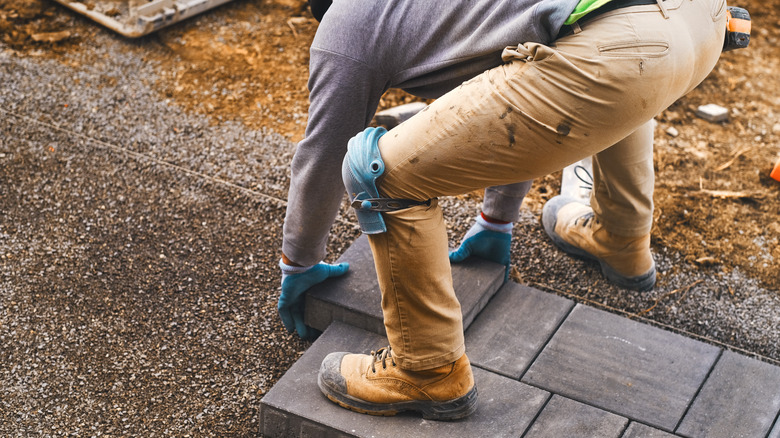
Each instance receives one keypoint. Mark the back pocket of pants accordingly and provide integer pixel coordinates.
(633, 49)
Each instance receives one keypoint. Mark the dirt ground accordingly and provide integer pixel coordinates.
(714, 200)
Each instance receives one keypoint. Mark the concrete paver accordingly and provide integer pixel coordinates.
(545, 366)
(296, 407)
(506, 342)
(355, 298)
(632, 369)
(741, 398)
(563, 417)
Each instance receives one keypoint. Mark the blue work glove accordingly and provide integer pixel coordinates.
(292, 299)
(490, 244)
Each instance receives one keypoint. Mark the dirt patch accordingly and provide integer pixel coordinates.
(715, 203)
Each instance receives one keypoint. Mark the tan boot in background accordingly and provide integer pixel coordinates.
(626, 261)
(374, 384)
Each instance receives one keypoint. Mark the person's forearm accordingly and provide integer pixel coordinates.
(343, 100)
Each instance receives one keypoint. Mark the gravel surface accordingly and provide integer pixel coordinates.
(138, 260)
(138, 290)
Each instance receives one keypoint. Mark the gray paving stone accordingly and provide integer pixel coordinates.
(296, 407)
(740, 398)
(639, 430)
(511, 331)
(620, 365)
(563, 417)
(355, 298)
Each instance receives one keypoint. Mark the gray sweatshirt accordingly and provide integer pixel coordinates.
(364, 47)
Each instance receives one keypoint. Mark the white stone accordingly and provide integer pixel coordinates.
(712, 113)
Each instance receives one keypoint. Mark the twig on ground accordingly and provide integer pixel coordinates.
(737, 154)
(728, 194)
(684, 289)
(292, 27)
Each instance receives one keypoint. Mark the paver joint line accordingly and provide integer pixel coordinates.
(585, 402)
(536, 417)
(698, 391)
(547, 342)
(775, 426)
(625, 427)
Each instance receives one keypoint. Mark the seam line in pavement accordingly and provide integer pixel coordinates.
(698, 391)
(625, 427)
(636, 317)
(591, 404)
(774, 425)
(538, 414)
(547, 342)
(279, 201)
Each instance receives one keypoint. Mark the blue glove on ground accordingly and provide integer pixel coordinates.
(292, 298)
(486, 243)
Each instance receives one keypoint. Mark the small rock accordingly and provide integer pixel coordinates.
(672, 131)
(776, 128)
(712, 113)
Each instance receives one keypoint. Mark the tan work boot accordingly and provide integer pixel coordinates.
(374, 384)
(626, 261)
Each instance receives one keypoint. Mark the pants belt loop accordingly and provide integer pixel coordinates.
(663, 8)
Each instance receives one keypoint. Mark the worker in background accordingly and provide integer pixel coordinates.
(585, 78)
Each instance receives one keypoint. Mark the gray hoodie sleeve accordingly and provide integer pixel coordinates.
(344, 95)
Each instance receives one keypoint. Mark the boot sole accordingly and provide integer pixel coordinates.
(641, 283)
(448, 410)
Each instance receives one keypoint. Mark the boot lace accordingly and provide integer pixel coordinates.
(584, 176)
(586, 219)
(381, 355)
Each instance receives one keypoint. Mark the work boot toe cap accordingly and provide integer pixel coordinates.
(330, 378)
(550, 216)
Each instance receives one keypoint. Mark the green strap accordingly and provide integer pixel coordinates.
(583, 8)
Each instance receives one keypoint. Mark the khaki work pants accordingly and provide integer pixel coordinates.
(594, 92)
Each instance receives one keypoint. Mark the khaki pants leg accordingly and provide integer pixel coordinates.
(421, 313)
(546, 108)
(623, 183)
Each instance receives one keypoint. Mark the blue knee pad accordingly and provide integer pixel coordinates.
(362, 166)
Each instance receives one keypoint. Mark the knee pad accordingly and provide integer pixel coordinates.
(361, 167)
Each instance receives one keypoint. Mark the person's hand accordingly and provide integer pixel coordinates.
(487, 244)
(292, 298)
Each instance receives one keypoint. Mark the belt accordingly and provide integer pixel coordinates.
(611, 6)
